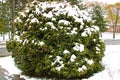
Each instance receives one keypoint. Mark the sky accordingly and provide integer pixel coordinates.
(107, 1)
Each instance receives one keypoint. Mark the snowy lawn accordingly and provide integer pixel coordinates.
(109, 35)
(111, 61)
(6, 37)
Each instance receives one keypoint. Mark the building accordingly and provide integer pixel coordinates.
(110, 29)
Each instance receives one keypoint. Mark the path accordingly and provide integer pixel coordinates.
(3, 72)
(4, 75)
(112, 41)
(4, 52)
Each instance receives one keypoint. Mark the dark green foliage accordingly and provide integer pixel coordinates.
(3, 26)
(98, 16)
(4, 23)
(61, 45)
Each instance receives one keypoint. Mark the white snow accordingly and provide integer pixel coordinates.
(18, 20)
(66, 52)
(60, 8)
(65, 22)
(34, 20)
(48, 15)
(109, 35)
(25, 41)
(8, 64)
(97, 48)
(96, 28)
(42, 29)
(81, 26)
(37, 10)
(53, 19)
(52, 25)
(111, 61)
(89, 31)
(82, 68)
(72, 32)
(90, 62)
(59, 67)
(31, 15)
(27, 9)
(22, 14)
(73, 57)
(5, 37)
(58, 59)
(35, 42)
(41, 43)
(79, 20)
(78, 47)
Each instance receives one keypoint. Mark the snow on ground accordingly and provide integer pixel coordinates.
(111, 61)
(4, 38)
(109, 35)
(8, 64)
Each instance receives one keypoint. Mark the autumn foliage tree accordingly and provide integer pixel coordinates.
(113, 15)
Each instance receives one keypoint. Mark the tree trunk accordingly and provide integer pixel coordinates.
(13, 14)
(3, 36)
(114, 31)
(19, 6)
(9, 34)
(101, 34)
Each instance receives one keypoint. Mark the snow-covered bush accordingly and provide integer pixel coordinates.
(56, 40)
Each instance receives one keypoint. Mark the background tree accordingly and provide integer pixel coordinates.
(98, 17)
(113, 15)
(14, 7)
(8, 11)
(4, 22)
(79, 3)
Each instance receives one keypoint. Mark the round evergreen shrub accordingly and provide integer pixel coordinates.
(56, 40)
